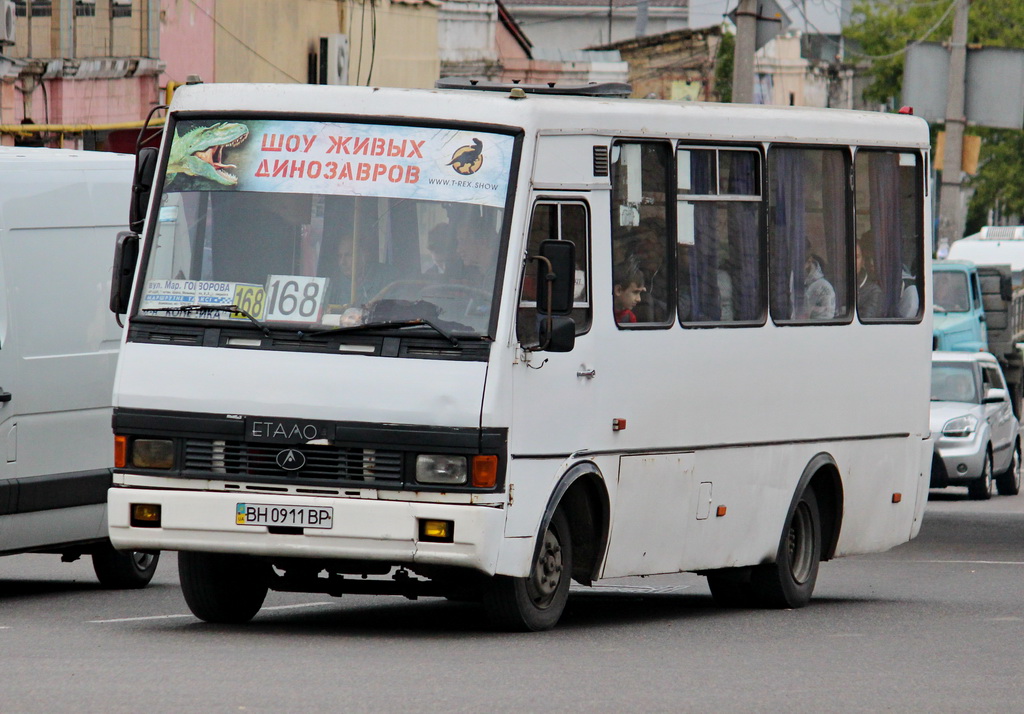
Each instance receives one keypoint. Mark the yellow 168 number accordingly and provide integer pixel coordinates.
(251, 299)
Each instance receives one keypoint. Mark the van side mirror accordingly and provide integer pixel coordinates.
(126, 254)
(994, 396)
(142, 187)
(556, 288)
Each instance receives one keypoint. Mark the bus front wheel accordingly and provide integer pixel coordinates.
(223, 588)
(789, 581)
(536, 602)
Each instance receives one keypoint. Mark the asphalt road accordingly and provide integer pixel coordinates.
(935, 625)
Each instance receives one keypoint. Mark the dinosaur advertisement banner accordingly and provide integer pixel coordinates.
(340, 159)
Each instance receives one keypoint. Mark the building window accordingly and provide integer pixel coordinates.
(85, 8)
(121, 8)
(40, 8)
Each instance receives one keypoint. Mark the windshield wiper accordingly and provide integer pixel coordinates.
(214, 308)
(418, 322)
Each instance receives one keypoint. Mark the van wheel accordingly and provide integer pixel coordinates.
(981, 488)
(789, 581)
(124, 570)
(536, 602)
(223, 588)
(1008, 482)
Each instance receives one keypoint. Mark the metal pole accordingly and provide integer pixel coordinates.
(743, 61)
(951, 219)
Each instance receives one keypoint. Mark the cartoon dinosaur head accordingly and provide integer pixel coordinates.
(198, 152)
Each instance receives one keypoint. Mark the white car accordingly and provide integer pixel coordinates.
(977, 435)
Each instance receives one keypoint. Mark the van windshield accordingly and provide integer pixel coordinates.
(951, 294)
(321, 225)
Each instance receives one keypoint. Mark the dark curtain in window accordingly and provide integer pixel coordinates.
(883, 175)
(788, 249)
(704, 262)
(743, 231)
(833, 194)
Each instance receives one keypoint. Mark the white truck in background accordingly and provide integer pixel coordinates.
(59, 213)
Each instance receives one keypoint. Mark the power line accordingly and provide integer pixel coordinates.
(925, 36)
(243, 43)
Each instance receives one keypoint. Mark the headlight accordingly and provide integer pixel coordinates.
(441, 469)
(960, 426)
(153, 454)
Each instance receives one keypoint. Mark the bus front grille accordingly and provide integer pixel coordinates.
(234, 458)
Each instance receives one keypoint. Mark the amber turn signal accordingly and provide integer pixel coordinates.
(485, 471)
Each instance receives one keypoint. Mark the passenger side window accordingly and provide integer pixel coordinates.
(718, 215)
(991, 379)
(642, 258)
(556, 220)
(889, 226)
(807, 235)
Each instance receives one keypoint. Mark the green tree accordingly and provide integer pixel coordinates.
(882, 30)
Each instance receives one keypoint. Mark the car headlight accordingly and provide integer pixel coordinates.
(960, 426)
(441, 469)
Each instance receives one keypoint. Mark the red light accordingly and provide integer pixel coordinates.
(618, 424)
(906, 110)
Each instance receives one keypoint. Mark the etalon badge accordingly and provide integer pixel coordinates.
(290, 459)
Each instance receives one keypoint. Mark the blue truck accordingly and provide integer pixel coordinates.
(977, 308)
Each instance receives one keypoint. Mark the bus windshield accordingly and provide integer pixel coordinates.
(317, 225)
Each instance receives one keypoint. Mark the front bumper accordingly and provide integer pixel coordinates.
(958, 460)
(363, 528)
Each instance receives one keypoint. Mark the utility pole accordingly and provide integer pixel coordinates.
(950, 192)
(743, 59)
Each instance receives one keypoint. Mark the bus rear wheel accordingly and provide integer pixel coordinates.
(536, 602)
(789, 581)
(223, 588)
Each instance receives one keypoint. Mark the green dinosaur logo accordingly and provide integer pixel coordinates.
(199, 151)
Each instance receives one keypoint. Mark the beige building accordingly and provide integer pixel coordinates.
(384, 43)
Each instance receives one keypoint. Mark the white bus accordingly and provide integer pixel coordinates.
(478, 342)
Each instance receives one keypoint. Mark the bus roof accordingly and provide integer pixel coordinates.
(567, 114)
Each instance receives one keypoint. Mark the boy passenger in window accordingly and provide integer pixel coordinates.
(627, 292)
(819, 295)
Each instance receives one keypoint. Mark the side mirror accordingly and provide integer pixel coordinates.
(126, 254)
(993, 396)
(556, 277)
(557, 333)
(142, 187)
(556, 289)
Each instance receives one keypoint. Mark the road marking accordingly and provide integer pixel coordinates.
(971, 562)
(173, 617)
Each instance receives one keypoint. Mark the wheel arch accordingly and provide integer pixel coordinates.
(582, 492)
(822, 475)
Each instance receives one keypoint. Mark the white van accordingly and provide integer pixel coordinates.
(59, 211)
(993, 245)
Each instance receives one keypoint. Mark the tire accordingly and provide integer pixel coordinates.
(124, 570)
(222, 588)
(789, 581)
(981, 488)
(536, 602)
(1008, 482)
